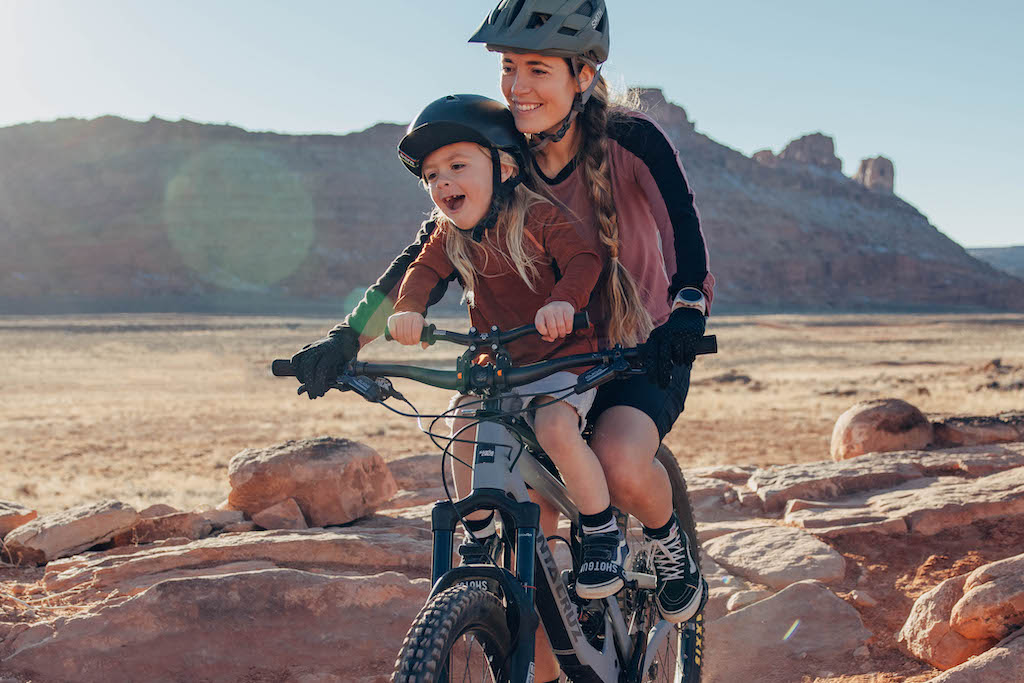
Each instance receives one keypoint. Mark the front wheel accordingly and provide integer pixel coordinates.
(460, 635)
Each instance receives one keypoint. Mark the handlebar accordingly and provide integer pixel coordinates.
(430, 334)
(483, 376)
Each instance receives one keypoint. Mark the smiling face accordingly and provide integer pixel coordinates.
(539, 90)
(459, 177)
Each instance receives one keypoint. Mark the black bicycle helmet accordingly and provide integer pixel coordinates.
(561, 28)
(459, 118)
(467, 118)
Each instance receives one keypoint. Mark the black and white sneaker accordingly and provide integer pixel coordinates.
(483, 552)
(601, 571)
(681, 588)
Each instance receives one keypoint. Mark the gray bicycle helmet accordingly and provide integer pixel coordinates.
(561, 28)
(467, 118)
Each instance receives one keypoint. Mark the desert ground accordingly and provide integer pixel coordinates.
(149, 409)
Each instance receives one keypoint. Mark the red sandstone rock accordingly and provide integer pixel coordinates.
(13, 515)
(979, 430)
(923, 506)
(877, 174)
(345, 549)
(1002, 664)
(927, 635)
(814, 149)
(417, 472)
(334, 481)
(778, 640)
(69, 532)
(878, 426)
(187, 525)
(283, 515)
(158, 510)
(992, 605)
(266, 624)
(776, 556)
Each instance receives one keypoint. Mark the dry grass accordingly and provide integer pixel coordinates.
(150, 409)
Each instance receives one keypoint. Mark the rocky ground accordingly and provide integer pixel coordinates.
(889, 566)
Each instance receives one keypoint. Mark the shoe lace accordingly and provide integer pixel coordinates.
(670, 557)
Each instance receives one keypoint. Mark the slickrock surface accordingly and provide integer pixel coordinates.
(265, 624)
(926, 506)
(334, 481)
(880, 425)
(13, 515)
(92, 606)
(65, 533)
(803, 630)
(982, 430)
(776, 556)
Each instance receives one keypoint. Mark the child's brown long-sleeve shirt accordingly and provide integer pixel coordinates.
(568, 269)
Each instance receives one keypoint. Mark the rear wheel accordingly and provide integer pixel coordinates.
(678, 648)
(460, 635)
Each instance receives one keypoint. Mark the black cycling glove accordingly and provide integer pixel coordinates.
(673, 343)
(319, 363)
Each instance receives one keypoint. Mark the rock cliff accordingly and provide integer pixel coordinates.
(112, 214)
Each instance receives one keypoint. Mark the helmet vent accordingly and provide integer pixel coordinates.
(537, 20)
(586, 9)
(516, 9)
(566, 31)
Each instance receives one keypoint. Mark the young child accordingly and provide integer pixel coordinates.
(520, 261)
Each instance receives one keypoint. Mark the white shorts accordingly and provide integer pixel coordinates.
(558, 385)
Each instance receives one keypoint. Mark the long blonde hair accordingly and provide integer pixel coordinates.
(506, 240)
(629, 321)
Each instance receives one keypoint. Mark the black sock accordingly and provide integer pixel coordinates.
(478, 525)
(601, 522)
(662, 531)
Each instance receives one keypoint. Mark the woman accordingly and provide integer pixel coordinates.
(621, 177)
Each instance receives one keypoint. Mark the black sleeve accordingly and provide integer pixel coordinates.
(642, 138)
(370, 316)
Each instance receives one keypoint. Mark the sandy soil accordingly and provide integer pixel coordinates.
(150, 409)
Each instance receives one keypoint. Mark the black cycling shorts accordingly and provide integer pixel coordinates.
(663, 406)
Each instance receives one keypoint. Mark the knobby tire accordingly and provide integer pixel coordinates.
(448, 621)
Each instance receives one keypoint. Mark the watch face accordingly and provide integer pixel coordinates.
(691, 295)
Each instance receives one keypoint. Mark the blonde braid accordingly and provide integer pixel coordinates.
(629, 321)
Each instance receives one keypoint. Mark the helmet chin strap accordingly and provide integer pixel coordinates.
(500, 196)
(579, 102)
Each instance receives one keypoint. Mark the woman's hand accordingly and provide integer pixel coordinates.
(406, 328)
(554, 320)
(318, 364)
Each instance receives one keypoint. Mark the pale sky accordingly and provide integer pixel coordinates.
(934, 85)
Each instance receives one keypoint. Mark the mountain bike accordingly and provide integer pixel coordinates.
(479, 621)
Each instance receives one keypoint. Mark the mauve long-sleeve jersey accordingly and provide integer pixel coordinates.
(661, 240)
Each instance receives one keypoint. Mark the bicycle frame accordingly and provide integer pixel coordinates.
(503, 468)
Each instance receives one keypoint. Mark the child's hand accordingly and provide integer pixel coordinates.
(554, 320)
(406, 328)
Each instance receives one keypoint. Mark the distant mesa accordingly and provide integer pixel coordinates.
(116, 215)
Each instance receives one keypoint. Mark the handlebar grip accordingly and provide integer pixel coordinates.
(580, 321)
(427, 335)
(708, 344)
(282, 367)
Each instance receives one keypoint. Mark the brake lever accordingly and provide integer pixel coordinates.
(373, 390)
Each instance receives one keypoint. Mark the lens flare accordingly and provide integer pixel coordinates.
(791, 631)
(239, 217)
